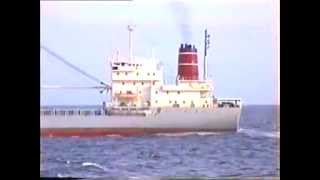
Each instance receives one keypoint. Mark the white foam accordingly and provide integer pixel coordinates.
(187, 134)
(93, 165)
(114, 136)
(257, 133)
(62, 176)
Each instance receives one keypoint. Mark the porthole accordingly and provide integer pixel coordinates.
(178, 92)
(118, 73)
(156, 92)
(126, 73)
(148, 74)
(142, 83)
(154, 74)
(134, 83)
(122, 83)
(137, 74)
(183, 102)
(156, 101)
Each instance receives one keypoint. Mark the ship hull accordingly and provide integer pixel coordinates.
(169, 121)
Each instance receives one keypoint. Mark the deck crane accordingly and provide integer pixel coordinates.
(103, 86)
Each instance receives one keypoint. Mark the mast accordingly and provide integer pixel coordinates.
(130, 29)
(206, 46)
(152, 54)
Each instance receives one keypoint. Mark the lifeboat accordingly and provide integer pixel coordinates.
(128, 95)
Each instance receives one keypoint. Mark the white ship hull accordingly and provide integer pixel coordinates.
(167, 121)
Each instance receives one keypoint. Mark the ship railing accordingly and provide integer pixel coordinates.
(126, 108)
(73, 112)
(230, 102)
(94, 112)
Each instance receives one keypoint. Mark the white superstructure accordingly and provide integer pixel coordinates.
(140, 84)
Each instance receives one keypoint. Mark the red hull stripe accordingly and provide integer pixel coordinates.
(97, 132)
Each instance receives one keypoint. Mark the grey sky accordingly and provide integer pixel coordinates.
(242, 60)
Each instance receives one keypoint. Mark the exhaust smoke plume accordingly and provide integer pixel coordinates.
(183, 19)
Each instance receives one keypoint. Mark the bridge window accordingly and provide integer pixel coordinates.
(134, 83)
(176, 104)
(142, 83)
(122, 83)
(178, 92)
(114, 68)
(167, 92)
(126, 73)
(137, 74)
(123, 104)
(118, 73)
(153, 83)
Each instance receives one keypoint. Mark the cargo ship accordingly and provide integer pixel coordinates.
(141, 103)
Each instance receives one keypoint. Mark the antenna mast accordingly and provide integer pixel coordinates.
(206, 46)
(130, 29)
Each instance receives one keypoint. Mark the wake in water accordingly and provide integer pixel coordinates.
(188, 134)
(257, 133)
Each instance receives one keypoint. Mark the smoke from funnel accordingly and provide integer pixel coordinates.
(183, 19)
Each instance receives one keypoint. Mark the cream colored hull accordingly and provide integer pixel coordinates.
(172, 120)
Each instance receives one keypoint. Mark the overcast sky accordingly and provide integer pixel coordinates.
(243, 58)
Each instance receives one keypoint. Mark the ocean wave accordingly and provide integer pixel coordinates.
(93, 165)
(257, 133)
(144, 178)
(187, 134)
(63, 176)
